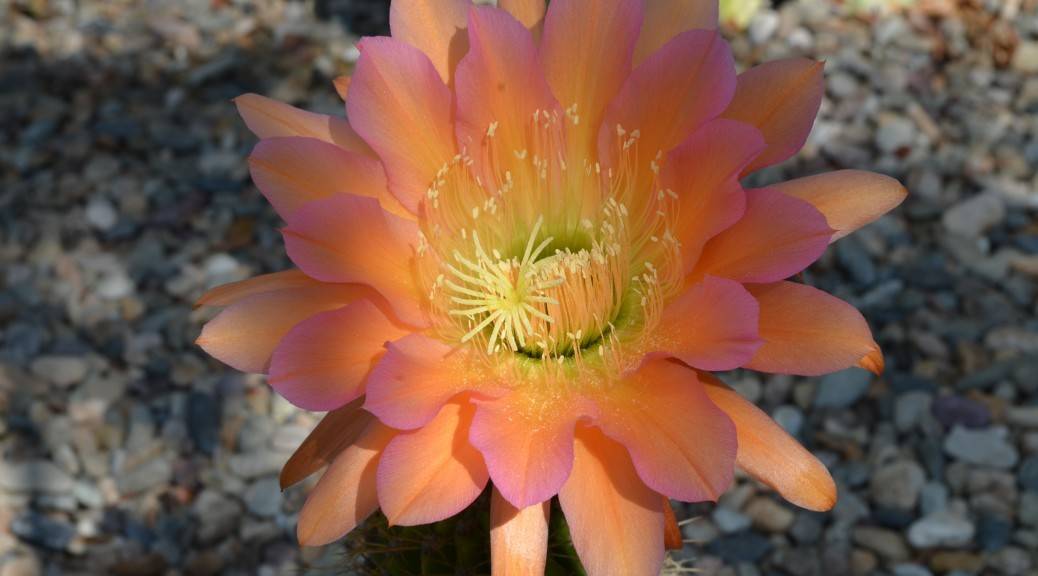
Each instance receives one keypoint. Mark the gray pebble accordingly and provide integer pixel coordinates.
(984, 447)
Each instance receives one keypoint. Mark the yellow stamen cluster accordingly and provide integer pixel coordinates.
(529, 257)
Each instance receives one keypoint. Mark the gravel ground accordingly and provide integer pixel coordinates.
(124, 194)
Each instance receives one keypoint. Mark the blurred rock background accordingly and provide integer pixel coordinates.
(124, 194)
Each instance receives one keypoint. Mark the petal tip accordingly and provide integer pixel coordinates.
(873, 361)
(342, 86)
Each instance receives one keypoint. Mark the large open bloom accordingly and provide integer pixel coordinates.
(521, 256)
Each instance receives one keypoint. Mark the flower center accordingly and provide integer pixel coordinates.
(530, 247)
(542, 306)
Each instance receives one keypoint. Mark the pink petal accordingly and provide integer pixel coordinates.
(417, 376)
(665, 19)
(499, 81)
(268, 118)
(712, 326)
(586, 51)
(292, 171)
(808, 332)
(781, 98)
(777, 237)
(322, 363)
(245, 333)
(704, 173)
(528, 450)
(347, 238)
(689, 81)
(615, 521)
(682, 445)
(529, 12)
(402, 108)
(431, 473)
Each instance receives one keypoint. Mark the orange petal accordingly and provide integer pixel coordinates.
(518, 538)
(781, 98)
(412, 130)
(681, 444)
(348, 238)
(776, 237)
(849, 199)
(665, 19)
(528, 449)
(810, 333)
(436, 27)
(431, 473)
(586, 51)
(323, 362)
(245, 334)
(672, 537)
(293, 171)
(529, 12)
(336, 430)
(230, 293)
(771, 455)
(615, 521)
(417, 376)
(269, 118)
(346, 494)
(873, 361)
(703, 171)
(342, 86)
(499, 82)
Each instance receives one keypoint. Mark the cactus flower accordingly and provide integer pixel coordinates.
(518, 260)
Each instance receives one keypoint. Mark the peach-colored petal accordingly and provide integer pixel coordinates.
(704, 173)
(777, 237)
(227, 294)
(672, 537)
(615, 521)
(323, 362)
(712, 326)
(771, 455)
(665, 19)
(586, 51)
(529, 12)
(432, 473)
(781, 98)
(499, 82)
(436, 27)
(518, 538)
(336, 430)
(346, 494)
(417, 376)
(681, 444)
(402, 108)
(245, 334)
(689, 81)
(347, 238)
(849, 199)
(268, 118)
(342, 86)
(294, 170)
(528, 449)
(808, 332)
